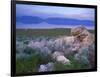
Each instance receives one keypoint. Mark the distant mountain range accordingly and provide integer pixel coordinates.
(53, 20)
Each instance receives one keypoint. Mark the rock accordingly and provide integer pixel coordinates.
(63, 60)
(57, 53)
(59, 57)
(42, 68)
(62, 43)
(83, 35)
(46, 67)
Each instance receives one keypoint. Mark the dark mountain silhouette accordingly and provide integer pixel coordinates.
(68, 21)
(54, 21)
(29, 19)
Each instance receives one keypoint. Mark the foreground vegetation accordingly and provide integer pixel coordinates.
(30, 59)
(31, 64)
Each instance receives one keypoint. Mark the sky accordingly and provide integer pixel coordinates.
(40, 17)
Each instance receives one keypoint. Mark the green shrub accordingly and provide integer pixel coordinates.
(31, 64)
(73, 66)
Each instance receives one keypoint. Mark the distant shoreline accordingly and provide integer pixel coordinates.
(43, 28)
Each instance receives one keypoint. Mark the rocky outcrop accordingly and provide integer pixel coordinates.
(83, 35)
(46, 67)
(59, 57)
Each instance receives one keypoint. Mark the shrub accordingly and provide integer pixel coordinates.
(31, 64)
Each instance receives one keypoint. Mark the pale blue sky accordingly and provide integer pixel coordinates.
(44, 12)
(78, 13)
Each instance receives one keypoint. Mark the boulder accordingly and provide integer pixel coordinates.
(59, 57)
(46, 67)
(83, 35)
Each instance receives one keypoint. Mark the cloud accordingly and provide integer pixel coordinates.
(54, 11)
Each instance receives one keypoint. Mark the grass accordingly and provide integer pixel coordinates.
(31, 64)
(74, 65)
(44, 32)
